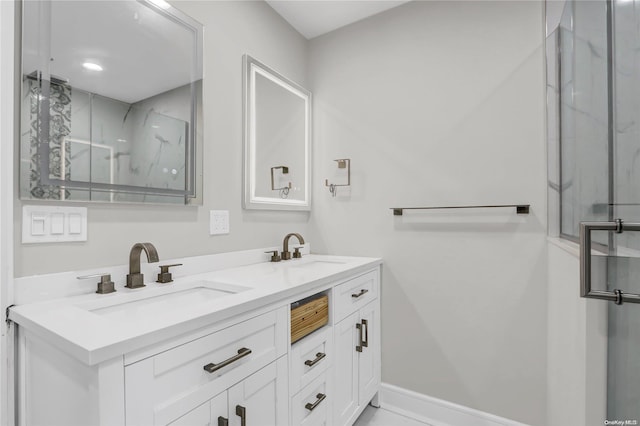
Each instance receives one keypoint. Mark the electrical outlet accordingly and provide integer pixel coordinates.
(218, 222)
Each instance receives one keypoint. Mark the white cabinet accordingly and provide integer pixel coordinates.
(357, 348)
(346, 370)
(219, 407)
(190, 381)
(242, 371)
(257, 400)
(337, 368)
(162, 387)
(200, 416)
(311, 372)
(261, 399)
(310, 357)
(312, 405)
(369, 358)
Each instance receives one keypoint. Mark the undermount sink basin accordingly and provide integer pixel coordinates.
(162, 304)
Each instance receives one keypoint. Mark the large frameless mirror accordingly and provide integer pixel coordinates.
(111, 102)
(277, 140)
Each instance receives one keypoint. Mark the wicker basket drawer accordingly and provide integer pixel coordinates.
(308, 315)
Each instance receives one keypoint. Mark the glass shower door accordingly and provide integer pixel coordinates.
(598, 191)
(623, 268)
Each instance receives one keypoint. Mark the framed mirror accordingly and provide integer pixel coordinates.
(111, 102)
(277, 140)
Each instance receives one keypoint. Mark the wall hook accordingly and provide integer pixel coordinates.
(284, 191)
(343, 163)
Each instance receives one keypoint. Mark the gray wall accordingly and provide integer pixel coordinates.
(436, 103)
(442, 103)
(577, 343)
(232, 29)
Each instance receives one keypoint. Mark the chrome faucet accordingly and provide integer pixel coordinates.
(135, 279)
(286, 254)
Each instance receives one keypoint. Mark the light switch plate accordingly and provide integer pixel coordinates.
(57, 223)
(53, 224)
(218, 222)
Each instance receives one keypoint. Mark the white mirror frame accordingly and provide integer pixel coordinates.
(250, 201)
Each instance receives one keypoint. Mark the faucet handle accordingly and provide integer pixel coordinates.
(105, 286)
(165, 276)
(274, 255)
(296, 252)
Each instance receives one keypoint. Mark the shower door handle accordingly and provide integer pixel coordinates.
(616, 296)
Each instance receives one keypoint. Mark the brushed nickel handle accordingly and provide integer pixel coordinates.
(222, 421)
(363, 291)
(165, 276)
(359, 346)
(211, 367)
(365, 325)
(275, 257)
(616, 296)
(242, 412)
(105, 286)
(319, 357)
(309, 406)
(98, 275)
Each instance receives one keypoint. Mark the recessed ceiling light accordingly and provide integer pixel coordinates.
(161, 4)
(91, 66)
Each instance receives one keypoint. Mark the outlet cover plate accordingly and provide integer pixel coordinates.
(218, 222)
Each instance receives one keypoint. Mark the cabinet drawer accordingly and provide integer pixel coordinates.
(355, 293)
(161, 387)
(310, 357)
(311, 406)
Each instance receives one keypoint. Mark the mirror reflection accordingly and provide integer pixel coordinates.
(113, 114)
(277, 140)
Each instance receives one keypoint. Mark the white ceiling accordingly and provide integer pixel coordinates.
(142, 52)
(312, 18)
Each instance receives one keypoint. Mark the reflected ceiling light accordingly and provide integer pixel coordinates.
(91, 66)
(161, 4)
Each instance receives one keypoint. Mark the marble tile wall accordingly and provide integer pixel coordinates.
(108, 141)
(627, 119)
(584, 114)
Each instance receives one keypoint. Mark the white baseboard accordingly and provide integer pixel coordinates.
(434, 411)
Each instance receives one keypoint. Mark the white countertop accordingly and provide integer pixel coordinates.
(87, 328)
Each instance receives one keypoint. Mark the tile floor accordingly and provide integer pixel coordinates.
(372, 416)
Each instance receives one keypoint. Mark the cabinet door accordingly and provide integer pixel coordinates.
(262, 398)
(368, 365)
(219, 410)
(345, 383)
(199, 416)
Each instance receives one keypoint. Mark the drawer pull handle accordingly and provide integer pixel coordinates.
(309, 406)
(242, 352)
(222, 421)
(360, 344)
(362, 292)
(365, 325)
(319, 357)
(242, 412)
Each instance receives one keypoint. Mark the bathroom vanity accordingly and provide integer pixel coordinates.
(210, 348)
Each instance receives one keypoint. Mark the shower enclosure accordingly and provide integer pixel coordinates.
(593, 74)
